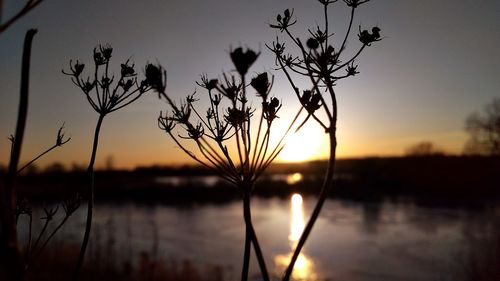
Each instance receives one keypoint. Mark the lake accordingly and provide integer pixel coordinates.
(351, 240)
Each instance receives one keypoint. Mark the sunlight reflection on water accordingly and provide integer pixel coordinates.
(350, 241)
(304, 266)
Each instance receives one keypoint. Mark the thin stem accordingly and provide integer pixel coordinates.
(28, 7)
(348, 30)
(250, 232)
(317, 209)
(258, 254)
(127, 103)
(30, 238)
(325, 11)
(221, 167)
(39, 252)
(227, 178)
(44, 228)
(349, 61)
(10, 257)
(246, 253)
(96, 87)
(259, 160)
(90, 202)
(36, 158)
(253, 163)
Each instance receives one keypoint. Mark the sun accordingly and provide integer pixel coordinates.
(304, 145)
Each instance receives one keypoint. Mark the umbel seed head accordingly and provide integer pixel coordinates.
(243, 60)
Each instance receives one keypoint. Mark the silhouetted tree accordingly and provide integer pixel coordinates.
(484, 130)
(424, 148)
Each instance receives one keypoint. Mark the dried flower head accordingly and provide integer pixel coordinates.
(243, 60)
(271, 109)
(50, 213)
(60, 137)
(209, 84)
(312, 43)
(262, 85)
(156, 77)
(102, 92)
(284, 21)
(222, 132)
(71, 204)
(166, 123)
(367, 38)
(127, 70)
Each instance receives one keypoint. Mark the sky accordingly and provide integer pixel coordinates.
(438, 62)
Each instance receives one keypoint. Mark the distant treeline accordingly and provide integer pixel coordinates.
(431, 178)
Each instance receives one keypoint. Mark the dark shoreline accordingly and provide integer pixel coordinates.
(433, 180)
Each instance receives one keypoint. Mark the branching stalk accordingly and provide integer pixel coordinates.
(90, 199)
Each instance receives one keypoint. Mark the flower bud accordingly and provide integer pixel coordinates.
(261, 85)
(312, 43)
(243, 60)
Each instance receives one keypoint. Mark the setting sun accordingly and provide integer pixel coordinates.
(307, 144)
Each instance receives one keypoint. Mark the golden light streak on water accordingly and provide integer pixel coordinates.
(304, 266)
(297, 219)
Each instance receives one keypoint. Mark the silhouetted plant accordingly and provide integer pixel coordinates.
(484, 130)
(322, 63)
(105, 98)
(222, 134)
(33, 250)
(60, 141)
(12, 262)
(10, 256)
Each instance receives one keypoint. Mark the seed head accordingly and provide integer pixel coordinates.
(261, 84)
(312, 43)
(155, 77)
(127, 70)
(243, 60)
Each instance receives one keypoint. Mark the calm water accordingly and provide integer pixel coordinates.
(351, 241)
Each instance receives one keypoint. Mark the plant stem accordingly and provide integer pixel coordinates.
(28, 7)
(36, 158)
(258, 253)
(246, 253)
(250, 233)
(1, 10)
(10, 257)
(28, 248)
(44, 228)
(90, 202)
(40, 250)
(317, 209)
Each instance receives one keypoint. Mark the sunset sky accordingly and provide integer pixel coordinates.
(438, 62)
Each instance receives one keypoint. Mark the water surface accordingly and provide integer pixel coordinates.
(350, 241)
